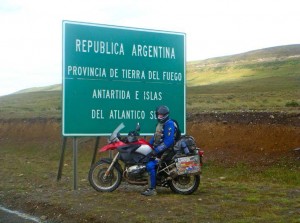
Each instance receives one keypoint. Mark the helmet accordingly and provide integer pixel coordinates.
(162, 113)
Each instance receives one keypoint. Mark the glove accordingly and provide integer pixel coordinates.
(160, 148)
(158, 161)
(153, 154)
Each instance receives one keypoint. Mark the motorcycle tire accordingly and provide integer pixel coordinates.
(185, 184)
(101, 183)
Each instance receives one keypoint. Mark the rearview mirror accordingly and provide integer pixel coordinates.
(138, 127)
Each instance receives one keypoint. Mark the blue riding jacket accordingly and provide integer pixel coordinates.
(166, 141)
(168, 137)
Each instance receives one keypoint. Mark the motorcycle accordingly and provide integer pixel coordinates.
(179, 172)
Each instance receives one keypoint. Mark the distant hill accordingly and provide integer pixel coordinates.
(256, 64)
(55, 87)
(261, 55)
(265, 80)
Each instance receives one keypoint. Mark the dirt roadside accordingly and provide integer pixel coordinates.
(255, 138)
(249, 137)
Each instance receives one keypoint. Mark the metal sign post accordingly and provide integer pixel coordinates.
(75, 154)
(62, 158)
(75, 159)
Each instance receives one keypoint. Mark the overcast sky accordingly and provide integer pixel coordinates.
(31, 30)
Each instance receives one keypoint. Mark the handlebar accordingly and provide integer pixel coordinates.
(132, 135)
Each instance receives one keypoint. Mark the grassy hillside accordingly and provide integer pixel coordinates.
(260, 80)
(267, 79)
(32, 104)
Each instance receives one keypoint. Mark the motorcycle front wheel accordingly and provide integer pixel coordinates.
(185, 184)
(103, 183)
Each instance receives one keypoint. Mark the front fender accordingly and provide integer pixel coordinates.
(109, 161)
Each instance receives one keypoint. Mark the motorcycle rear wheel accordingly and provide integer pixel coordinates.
(101, 183)
(185, 184)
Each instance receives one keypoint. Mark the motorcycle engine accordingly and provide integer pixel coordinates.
(136, 171)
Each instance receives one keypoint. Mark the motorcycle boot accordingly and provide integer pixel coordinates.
(149, 192)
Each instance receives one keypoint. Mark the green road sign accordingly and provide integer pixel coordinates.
(117, 74)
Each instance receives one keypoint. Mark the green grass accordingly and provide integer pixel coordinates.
(239, 193)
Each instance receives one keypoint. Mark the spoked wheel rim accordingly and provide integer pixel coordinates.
(184, 183)
(102, 182)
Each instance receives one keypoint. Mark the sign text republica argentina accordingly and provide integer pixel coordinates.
(117, 48)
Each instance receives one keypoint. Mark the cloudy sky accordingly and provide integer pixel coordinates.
(31, 30)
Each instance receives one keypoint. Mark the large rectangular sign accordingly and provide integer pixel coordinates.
(117, 74)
